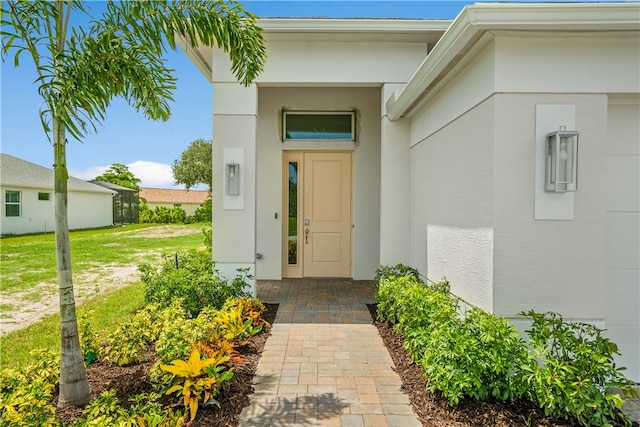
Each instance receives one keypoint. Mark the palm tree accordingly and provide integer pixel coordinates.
(81, 68)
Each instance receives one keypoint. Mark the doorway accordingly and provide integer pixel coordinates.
(317, 214)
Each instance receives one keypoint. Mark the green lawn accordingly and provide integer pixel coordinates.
(31, 259)
(104, 313)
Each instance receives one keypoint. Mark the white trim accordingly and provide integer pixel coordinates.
(332, 25)
(476, 20)
(197, 56)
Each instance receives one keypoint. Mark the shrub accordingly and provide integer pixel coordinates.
(478, 357)
(161, 214)
(145, 411)
(190, 276)
(127, 343)
(199, 379)
(572, 372)
(461, 356)
(145, 214)
(398, 270)
(207, 238)
(568, 370)
(204, 212)
(25, 397)
(89, 340)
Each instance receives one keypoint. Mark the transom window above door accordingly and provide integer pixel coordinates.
(318, 125)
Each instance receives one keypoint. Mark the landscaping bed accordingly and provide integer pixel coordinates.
(131, 380)
(434, 411)
(481, 371)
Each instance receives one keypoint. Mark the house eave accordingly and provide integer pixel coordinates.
(476, 23)
(314, 28)
(200, 56)
(341, 25)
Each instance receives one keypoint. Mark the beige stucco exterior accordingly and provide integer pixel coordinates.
(447, 164)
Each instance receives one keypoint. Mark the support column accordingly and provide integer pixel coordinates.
(395, 186)
(234, 142)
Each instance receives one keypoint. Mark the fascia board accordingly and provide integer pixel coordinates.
(475, 20)
(197, 56)
(327, 25)
(556, 16)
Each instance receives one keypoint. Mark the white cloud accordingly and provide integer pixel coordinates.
(151, 174)
(89, 173)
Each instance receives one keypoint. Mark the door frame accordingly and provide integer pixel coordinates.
(297, 270)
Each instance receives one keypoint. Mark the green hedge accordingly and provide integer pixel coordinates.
(567, 368)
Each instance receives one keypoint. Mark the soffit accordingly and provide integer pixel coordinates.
(478, 24)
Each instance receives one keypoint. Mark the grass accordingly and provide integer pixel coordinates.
(104, 312)
(30, 259)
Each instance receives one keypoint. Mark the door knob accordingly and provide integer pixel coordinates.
(306, 222)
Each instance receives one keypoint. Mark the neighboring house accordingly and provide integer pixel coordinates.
(28, 199)
(189, 200)
(125, 203)
(368, 142)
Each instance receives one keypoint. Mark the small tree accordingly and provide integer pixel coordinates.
(121, 175)
(80, 69)
(195, 165)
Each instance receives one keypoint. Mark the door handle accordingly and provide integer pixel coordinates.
(306, 236)
(306, 222)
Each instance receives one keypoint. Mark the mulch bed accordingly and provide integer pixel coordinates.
(433, 409)
(129, 381)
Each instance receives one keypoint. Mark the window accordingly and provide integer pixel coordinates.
(312, 125)
(44, 196)
(12, 203)
(177, 205)
(292, 248)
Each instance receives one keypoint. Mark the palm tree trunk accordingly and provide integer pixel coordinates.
(74, 387)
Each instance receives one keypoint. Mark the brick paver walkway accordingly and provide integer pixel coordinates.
(324, 363)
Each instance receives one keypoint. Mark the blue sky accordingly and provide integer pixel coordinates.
(148, 147)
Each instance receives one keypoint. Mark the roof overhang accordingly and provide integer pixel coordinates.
(329, 29)
(478, 23)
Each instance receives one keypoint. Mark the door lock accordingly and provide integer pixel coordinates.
(306, 236)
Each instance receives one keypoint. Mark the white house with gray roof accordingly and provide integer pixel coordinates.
(28, 199)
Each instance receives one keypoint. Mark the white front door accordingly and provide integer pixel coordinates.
(318, 224)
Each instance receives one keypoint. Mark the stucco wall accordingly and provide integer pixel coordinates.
(88, 210)
(469, 87)
(85, 210)
(452, 205)
(334, 62)
(544, 265)
(452, 183)
(623, 232)
(395, 186)
(366, 171)
(607, 63)
(473, 213)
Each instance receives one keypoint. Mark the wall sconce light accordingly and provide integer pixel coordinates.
(561, 164)
(232, 170)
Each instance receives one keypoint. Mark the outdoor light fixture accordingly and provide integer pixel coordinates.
(233, 178)
(561, 164)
